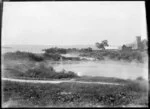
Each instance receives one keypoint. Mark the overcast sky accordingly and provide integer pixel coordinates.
(72, 23)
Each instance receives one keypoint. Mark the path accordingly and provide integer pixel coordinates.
(55, 81)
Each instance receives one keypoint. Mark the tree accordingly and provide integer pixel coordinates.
(102, 45)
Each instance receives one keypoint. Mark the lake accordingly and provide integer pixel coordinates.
(108, 68)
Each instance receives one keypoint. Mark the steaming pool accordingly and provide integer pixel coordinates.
(117, 69)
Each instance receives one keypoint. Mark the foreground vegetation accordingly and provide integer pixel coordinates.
(24, 65)
(73, 94)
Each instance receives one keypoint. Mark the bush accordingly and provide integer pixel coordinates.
(40, 71)
(89, 49)
(47, 72)
(23, 55)
(56, 50)
(36, 57)
(54, 56)
(140, 78)
(16, 55)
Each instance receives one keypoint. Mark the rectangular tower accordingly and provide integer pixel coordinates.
(138, 40)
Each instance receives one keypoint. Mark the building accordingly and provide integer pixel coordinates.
(139, 44)
(145, 44)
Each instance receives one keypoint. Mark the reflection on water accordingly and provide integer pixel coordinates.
(106, 68)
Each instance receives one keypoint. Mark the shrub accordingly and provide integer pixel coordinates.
(16, 55)
(42, 71)
(54, 56)
(140, 78)
(89, 49)
(56, 50)
(23, 55)
(36, 57)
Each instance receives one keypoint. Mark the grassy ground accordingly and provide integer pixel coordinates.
(101, 79)
(73, 94)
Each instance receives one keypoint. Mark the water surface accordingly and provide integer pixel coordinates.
(107, 68)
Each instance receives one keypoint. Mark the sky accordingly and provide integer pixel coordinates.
(73, 23)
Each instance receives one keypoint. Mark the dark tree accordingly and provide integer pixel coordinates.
(102, 45)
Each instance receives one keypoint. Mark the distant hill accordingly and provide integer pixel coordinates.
(49, 46)
(39, 48)
(7, 47)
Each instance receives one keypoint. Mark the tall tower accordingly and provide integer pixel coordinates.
(138, 39)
